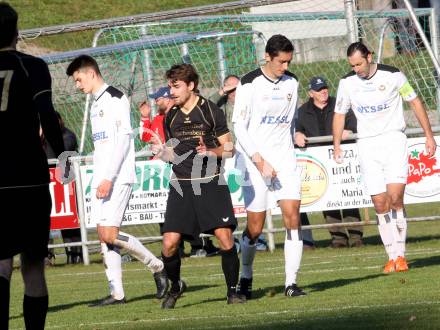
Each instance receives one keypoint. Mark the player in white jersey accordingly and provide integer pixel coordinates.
(264, 109)
(375, 92)
(113, 177)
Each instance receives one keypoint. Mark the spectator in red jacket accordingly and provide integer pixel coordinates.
(164, 103)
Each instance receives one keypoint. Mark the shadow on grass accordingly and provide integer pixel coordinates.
(320, 286)
(425, 262)
(57, 308)
(201, 302)
(366, 318)
(370, 240)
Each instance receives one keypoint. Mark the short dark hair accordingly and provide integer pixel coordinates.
(8, 24)
(358, 46)
(184, 72)
(278, 43)
(81, 62)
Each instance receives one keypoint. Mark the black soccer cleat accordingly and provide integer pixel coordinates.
(108, 301)
(161, 280)
(293, 291)
(236, 298)
(245, 287)
(171, 297)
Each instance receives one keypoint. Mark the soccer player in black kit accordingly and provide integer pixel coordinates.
(25, 104)
(199, 201)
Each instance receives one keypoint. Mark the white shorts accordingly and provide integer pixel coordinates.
(260, 195)
(110, 211)
(383, 160)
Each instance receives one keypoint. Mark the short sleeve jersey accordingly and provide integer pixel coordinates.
(23, 78)
(376, 101)
(205, 120)
(267, 108)
(110, 118)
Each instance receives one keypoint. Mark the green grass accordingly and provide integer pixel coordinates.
(39, 13)
(42, 13)
(346, 290)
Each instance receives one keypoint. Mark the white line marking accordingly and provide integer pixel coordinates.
(192, 266)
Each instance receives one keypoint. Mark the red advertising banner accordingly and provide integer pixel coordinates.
(64, 214)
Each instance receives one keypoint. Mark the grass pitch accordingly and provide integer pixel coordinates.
(346, 290)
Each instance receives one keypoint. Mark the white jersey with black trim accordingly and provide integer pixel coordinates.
(376, 101)
(110, 119)
(267, 108)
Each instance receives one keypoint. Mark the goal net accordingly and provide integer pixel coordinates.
(135, 57)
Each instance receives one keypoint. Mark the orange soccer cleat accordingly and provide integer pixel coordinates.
(401, 264)
(390, 267)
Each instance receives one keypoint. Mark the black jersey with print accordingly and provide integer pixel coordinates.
(25, 103)
(207, 121)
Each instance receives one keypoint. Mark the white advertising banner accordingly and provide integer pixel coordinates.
(326, 185)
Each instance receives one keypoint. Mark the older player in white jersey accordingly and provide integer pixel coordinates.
(113, 177)
(264, 109)
(375, 92)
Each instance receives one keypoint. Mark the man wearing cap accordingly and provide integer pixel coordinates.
(315, 118)
(164, 103)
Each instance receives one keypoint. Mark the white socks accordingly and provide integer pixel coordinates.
(113, 271)
(112, 260)
(139, 251)
(248, 251)
(392, 229)
(293, 248)
(398, 218)
(388, 234)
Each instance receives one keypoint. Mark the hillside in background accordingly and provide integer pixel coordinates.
(39, 13)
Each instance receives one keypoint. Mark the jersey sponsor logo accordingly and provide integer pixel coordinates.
(274, 120)
(381, 88)
(99, 136)
(277, 98)
(372, 108)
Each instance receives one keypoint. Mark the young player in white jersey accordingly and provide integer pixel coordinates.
(113, 176)
(375, 93)
(264, 109)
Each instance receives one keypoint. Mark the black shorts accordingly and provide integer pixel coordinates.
(193, 213)
(25, 219)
